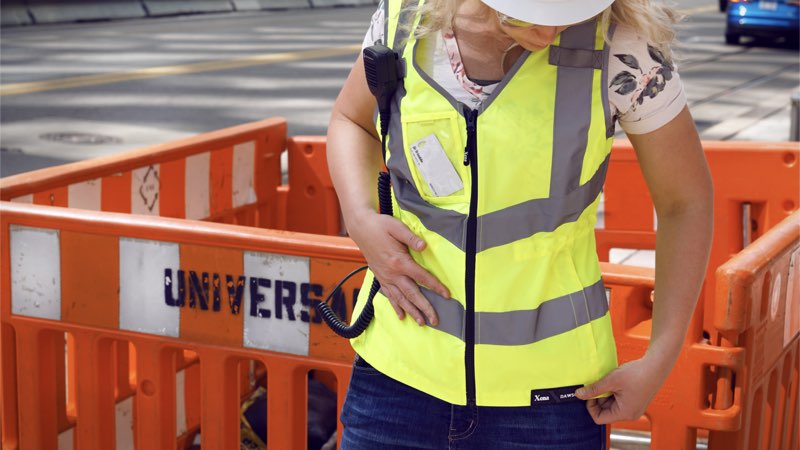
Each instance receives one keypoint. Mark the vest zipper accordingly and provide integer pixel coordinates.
(471, 160)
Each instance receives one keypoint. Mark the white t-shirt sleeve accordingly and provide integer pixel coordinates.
(376, 28)
(644, 88)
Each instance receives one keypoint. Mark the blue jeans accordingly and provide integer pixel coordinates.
(381, 413)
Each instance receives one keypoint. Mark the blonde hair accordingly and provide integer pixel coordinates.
(653, 21)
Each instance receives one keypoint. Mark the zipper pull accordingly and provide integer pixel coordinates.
(472, 126)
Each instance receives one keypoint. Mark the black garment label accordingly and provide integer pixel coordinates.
(555, 395)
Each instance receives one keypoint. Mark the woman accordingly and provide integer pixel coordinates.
(498, 145)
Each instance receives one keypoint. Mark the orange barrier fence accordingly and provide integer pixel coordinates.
(680, 408)
(309, 200)
(757, 184)
(758, 308)
(229, 176)
(188, 311)
(227, 294)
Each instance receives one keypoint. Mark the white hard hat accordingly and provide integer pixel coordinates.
(550, 12)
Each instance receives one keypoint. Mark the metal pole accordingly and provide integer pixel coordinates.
(794, 118)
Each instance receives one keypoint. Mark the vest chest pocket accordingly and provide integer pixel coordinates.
(434, 150)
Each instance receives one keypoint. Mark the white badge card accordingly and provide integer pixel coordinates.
(438, 172)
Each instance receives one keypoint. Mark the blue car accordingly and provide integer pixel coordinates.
(763, 18)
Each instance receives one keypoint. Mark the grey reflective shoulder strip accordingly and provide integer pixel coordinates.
(404, 26)
(446, 223)
(610, 119)
(551, 318)
(534, 216)
(506, 79)
(385, 4)
(573, 113)
(450, 312)
(453, 102)
(576, 57)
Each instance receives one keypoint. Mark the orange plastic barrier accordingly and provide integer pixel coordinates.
(229, 176)
(758, 308)
(309, 199)
(680, 408)
(234, 295)
(754, 182)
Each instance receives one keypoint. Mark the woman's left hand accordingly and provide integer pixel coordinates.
(632, 386)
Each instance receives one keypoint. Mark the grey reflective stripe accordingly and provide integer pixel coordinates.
(444, 222)
(403, 26)
(500, 227)
(551, 318)
(576, 57)
(525, 326)
(573, 113)
(610, 119)
(539, 215)
(450, 312)
(386, 21)
(424, 75)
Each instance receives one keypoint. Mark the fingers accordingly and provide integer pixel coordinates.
(391, 293)
(412, 294)
(424, 278)
(407, 298)
(603, 410)
(408, 266)
(401, 232)
(386, 248)
(596, 389)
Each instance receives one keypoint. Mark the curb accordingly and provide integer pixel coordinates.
(20, 12)
(44, 11)
(171, 7)
(14, 12)
(257, 5)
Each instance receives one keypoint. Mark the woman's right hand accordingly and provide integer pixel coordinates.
(385, 241)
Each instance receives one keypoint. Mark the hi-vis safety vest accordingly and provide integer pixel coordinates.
(516, 245)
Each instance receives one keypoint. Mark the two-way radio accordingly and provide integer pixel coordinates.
(383, 76)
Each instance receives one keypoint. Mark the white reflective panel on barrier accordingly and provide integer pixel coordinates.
(272, 303)
(197, 196)
(85, 195)
(35, 272)
(145, 187)
(142, 286)
(243, 188)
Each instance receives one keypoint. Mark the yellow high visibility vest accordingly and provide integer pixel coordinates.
(516, 244)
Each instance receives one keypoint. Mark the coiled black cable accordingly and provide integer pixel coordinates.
(328, 315)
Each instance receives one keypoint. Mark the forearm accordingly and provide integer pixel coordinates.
(683, 243)
(354, 160)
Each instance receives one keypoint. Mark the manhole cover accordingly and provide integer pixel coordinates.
(80, 138)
